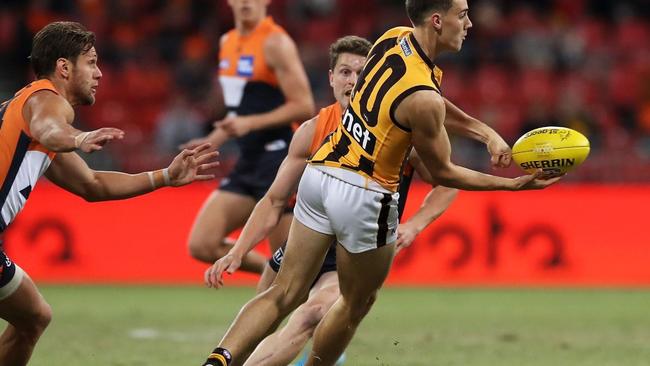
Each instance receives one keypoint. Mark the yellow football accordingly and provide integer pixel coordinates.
(555, 150)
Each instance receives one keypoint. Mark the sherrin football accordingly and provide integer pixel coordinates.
(555, 150)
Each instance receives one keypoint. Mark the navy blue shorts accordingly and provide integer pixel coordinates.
(252, 176)
(329, 264)
(10, 276)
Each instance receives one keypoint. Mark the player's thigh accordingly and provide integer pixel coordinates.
(362, 274)
(279, 235)
(303, 257)
(221, 213)
(25, 304)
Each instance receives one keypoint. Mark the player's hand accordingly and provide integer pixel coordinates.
(188, 165)
(500, 152)
(235, 126)
(95, 140)
(214, 275)
(536, 180)
(405, 236)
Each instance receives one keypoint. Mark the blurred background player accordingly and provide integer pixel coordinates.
(37, 138)
(265, 89)
(347, 57)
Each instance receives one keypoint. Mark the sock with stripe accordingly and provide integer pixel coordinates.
(219, 357)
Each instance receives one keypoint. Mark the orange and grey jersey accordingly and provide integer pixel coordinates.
(370, 141)
(328, 119)
(22, 159)
(250, 86)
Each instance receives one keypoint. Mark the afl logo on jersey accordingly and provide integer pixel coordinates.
(245, 66)
(224, 64)
(406, 47)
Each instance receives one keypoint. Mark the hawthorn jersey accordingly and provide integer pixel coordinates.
(327, 122)
(369, 140)
(22, 160)
(250, 86)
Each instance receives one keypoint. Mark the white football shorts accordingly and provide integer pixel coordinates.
(361, 219)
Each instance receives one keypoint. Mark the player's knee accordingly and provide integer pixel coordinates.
(285, 298)
(34, 323)
(359, 307)
(206, 250)
(311, 314)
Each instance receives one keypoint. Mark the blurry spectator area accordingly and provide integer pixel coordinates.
(583, 64)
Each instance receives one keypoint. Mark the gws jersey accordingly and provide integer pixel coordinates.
(22, 160)
(250, 86)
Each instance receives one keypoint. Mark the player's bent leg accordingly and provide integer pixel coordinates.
(284, 345)
(267, 278)
(360, 276)
(222, 213)
(279, 235)
(303, 257)
(27, 314)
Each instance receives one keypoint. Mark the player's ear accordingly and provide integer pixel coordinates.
(436, 21)
(63, 66)
(331, 74)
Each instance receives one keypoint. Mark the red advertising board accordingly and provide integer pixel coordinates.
(571, 235)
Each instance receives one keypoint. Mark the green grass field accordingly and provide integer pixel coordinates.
(165, 326)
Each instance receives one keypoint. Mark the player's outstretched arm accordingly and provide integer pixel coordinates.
(460, 123)
(269, 209)
(424, 113)
(435, 203)
(71, 173)
(50, 117)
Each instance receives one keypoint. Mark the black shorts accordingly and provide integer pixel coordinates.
(252, 175)
(329, 264)
(7, 269)
(10, 276)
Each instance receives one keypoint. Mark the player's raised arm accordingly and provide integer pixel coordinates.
(50, 116)
(269, 209)
(424, 112)
(460, 123)
(71, 173)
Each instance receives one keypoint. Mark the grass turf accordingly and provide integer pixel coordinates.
(165, 326)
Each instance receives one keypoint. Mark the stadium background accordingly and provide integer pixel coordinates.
(553, 277)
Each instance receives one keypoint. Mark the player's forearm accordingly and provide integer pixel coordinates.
(462, 124)
(289, 112)
(455, 176)
(109, 186)
(58, 137)
(434, 204)
(262, 221)
(217, 137)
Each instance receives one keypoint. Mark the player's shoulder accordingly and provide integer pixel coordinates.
(421, 105)
(49, 101)
(396, 32)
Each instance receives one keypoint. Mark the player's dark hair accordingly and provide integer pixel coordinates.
(419, 10)
(59, 40)
(348, 44)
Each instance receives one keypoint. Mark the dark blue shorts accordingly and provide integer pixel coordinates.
(252, 175)
(329, 264)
